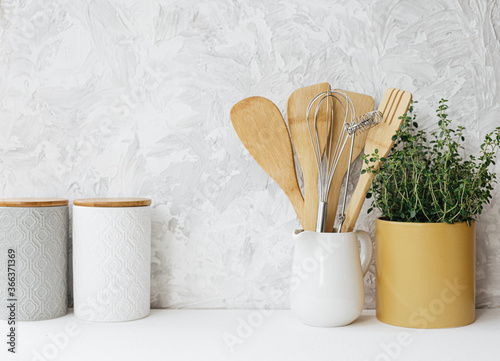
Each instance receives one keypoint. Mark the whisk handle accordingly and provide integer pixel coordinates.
(321, 218)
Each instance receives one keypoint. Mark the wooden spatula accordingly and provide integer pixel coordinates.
(296, 112)
(394, 104)
(362, 104)
(262, 130)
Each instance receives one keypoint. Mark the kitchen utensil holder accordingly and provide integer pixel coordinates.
(327, 277)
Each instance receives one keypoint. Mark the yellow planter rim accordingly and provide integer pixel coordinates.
(420, 224)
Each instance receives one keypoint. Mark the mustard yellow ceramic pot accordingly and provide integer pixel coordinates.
(425, 273)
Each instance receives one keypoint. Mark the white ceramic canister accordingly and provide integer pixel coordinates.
(111, 259)
(33, 258)
(327, 287)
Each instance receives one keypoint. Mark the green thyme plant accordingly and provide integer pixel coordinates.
(429, 180)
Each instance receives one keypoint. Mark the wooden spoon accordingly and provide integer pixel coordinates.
(362, 104)
(262, 130)
(394, 104)
(296, 112)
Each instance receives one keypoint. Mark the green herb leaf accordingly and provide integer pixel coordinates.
(427, 179)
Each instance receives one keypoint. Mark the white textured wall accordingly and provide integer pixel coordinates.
(118, 98)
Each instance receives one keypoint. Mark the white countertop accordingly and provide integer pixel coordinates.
(207, 335)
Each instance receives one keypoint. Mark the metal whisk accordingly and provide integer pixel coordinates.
(327, 162)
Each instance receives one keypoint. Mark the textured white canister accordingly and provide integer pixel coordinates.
(111, 259)
(35, 230)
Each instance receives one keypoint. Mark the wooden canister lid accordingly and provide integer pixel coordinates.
(33, 202)
(112, 202)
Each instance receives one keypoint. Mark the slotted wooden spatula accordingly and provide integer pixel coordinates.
(394, 104)
(262, 130)
(296, 112)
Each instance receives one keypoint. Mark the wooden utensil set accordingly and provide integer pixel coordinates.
(329, 129)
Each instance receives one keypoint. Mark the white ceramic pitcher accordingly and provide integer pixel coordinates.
(327, 284)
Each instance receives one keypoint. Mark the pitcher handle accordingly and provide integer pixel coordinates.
(366, 251)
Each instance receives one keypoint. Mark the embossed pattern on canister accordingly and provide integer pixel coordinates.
(37, 231)
(111, 260)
